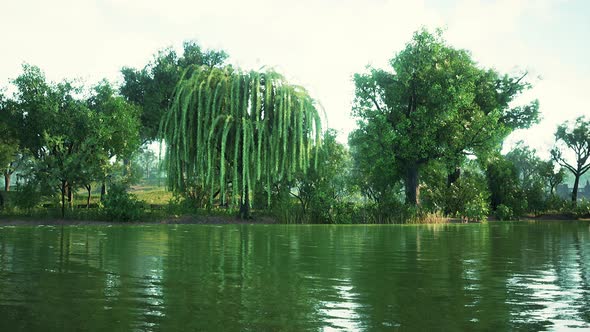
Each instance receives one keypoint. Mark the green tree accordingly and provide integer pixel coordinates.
(437, 104)
(537, 178)
(152, 87)
(116, 131)
(34, 107)
(376, 177)
(322, 189)
(147, 160)
(9, 143)
(575, 137)
(504, 185)
(531, 172)
(70, 138)
(551, 176)
(243, 129)
(526, 163)
(64, 145)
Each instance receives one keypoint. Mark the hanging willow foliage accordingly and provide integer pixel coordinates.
(230, 131)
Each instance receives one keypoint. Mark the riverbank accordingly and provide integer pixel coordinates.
(196, 220)
(214, 220)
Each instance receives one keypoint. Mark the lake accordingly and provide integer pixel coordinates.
(496, 276)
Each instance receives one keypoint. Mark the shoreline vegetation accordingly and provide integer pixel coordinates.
(241, 146)
(147, 202)
(182, 220)
(233, 220)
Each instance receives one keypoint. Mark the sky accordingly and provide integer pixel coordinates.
(318, 44)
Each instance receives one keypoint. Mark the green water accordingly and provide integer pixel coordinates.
(495, 277)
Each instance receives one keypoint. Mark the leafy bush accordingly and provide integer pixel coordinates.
(536, 198)
(391, 210)
(582, 209)
(179, 205)
(467, 197)
(119, 205)
(27, 196)
(504, 212)
(283, 206)
(321, 208)
(555, 203)
(477, 209)
(518, 203)
(346, 213)
(505, 187)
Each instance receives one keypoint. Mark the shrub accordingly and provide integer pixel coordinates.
(119, 205)
(456, 198)
(536, 198)
(504, 212)
(388, 211)
(346, 213)
(556, 203)
(179, 205)
(517, 201)
(467, 198)
(582, 209)
(27, 196)
(477, 209)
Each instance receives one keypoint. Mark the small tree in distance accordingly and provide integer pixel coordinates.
(575, 137)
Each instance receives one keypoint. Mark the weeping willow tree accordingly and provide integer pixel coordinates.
(228, 132)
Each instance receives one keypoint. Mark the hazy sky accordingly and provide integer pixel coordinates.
(319, 44)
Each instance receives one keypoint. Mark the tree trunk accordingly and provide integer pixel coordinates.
(89, 188)
(70, 195)
(411, 184)
(63, 199)
(454, 176)
(7, 176)
(245, 207)
(126, 167)
(103, 190)
(575, 190)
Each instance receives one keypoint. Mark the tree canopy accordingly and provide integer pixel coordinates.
(247, 129)
(151, 88)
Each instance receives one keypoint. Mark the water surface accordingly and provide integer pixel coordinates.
(497, 276)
